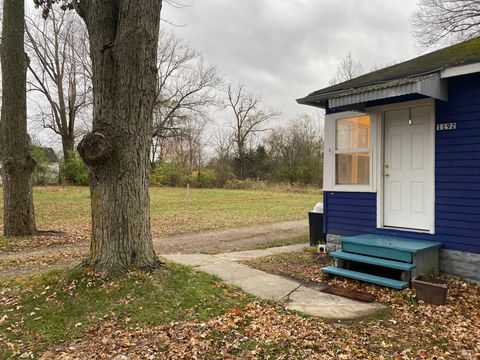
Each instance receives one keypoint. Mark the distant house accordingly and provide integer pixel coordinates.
(47, 170)
(402, 163)
(48, 166)
(50, 154)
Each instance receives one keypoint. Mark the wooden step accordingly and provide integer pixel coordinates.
(373, 260)
(396, 284)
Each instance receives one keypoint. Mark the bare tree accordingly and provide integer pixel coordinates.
(249, 119)
(17, 161)
(221, 162)
(444, 21)
(298, 150)
(61, 72)
(348, 68)
(123, 46)
(185, 89)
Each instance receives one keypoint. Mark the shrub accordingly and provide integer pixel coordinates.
(206, 178)
(74, 171)
(247, 184)
(169, 174)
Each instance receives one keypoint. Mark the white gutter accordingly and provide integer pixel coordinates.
(460, 70)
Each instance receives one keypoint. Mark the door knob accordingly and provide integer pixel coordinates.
(386, 171)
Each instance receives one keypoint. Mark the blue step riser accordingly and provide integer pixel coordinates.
(380, 252)
(396, 284)
(373, 260)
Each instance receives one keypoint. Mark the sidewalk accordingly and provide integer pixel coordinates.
(273, 287)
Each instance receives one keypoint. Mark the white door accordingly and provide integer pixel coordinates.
(408, 168)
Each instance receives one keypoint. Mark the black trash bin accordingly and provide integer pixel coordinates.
(315, 220)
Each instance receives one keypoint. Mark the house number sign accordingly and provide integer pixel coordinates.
(447, 126)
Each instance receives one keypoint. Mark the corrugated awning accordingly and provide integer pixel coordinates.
(430, 85)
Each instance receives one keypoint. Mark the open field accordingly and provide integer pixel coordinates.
(173, 211)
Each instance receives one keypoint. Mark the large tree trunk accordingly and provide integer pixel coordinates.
(18, 164)
(123, 44)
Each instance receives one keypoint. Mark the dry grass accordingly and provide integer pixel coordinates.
(173, 211)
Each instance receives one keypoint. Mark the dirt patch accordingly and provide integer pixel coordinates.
(349, 293)
(60, 255)
(301, 265)
(231, 239)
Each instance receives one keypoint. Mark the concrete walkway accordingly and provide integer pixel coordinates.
(295, 294)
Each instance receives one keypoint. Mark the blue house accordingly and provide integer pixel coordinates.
(402, 160)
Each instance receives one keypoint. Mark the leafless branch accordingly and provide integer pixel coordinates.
(60, 71)
(439, 22)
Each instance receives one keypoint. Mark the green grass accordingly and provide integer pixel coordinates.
(4, 241)
(174, 211)
(48, 309)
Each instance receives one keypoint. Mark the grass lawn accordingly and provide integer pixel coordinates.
(172, 211)
(39, 312)
(178, 313)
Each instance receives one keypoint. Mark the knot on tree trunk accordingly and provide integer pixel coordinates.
(10, 165)
(94, 148)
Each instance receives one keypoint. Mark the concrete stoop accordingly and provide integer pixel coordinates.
(294, 294)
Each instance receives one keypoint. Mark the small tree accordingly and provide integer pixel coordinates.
(440, 21)
(249, 120)
(221, 162)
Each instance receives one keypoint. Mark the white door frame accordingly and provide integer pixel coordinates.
(378, 117)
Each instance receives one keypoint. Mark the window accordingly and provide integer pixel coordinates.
(352, 151)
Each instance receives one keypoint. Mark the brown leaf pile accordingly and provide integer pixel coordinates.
(266, 331)
(451, 331)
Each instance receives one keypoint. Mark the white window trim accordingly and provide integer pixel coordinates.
(377, 113)
(329, 154)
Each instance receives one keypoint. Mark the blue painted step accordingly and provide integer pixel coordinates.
(396, 284)
(387, 247)
(373, 260)
(392, 242)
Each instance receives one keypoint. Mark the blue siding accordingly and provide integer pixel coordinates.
(457, 179)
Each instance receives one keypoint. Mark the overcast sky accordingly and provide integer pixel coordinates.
(287, 48)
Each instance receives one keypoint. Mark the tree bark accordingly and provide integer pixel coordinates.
(123, 44)
(17, 161)
(68, 146)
